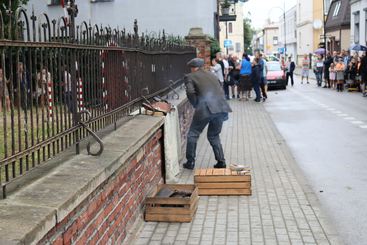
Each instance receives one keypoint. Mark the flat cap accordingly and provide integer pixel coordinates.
(196, 62)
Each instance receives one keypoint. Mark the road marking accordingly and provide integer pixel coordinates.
(357, 122)
(349, 118)
(343, 115)
(363, 126)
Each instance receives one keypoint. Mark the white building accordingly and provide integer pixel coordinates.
(271, 38)
(290, 33)
(233, 31)
(304, 28)
(358, 22)
(175, 16)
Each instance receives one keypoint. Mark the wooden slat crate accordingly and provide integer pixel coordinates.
(222, 182)
(172, 209)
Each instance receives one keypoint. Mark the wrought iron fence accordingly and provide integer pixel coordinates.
(60, 83)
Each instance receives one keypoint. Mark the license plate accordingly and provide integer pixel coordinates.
(272, 81)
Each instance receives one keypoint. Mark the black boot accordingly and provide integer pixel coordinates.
(220, 165)
(189, 165)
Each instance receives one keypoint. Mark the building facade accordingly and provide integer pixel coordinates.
(233, 31)
(338, 26)
(310, 14)
(152, 18)
(289, 36)
(358, 20)
(271, 38)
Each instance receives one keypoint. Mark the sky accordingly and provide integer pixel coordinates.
(261, 10)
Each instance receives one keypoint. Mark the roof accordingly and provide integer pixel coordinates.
(338, 16)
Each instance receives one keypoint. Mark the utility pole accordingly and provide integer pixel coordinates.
(285, 33)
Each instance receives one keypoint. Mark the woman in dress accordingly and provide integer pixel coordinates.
(332, 76)
(339, 68)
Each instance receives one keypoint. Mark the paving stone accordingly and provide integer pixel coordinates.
(282, 209)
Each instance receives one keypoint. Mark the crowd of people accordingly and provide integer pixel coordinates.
(338, 71)
(239, 77)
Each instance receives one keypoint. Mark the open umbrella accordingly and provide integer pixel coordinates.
(320, 51)
(358, 47)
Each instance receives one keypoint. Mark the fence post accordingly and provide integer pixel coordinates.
(72, 10)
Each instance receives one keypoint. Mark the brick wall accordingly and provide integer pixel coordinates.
(106, 215)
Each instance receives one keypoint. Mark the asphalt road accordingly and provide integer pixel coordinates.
(327, 133)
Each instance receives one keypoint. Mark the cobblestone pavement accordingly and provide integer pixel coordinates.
(282, 208)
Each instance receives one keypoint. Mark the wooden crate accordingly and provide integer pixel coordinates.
(222, 182)
(172, 209)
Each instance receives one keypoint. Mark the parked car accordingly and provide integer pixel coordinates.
(270, 58)
(275, 75)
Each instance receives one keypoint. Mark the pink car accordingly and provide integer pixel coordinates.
(275, 75)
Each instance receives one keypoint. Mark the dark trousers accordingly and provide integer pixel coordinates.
(226, 89)
(318, 75)
(215, 122)
(256, 85)
(290, 74)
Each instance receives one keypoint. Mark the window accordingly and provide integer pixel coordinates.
(238, 47)
(54, 2)
(356, 27)
(337, 8)
(275, 41)
(230, 28)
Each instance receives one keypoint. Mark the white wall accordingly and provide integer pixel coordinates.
(291, 28)
(175, 16)
(358, 6)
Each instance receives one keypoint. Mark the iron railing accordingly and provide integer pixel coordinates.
(61, 83)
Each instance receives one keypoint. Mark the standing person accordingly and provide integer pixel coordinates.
(332, 76)
(217, 70)
(245, 80)
(4, 92)
(363, 73)
(69, 99)
(352, 73)
(318, 68)
(282, 64)
(233, 77)
(226, 75)
(305, 68)
(263, 82)
(256, 73)
(207, 97)
(339, 68)
(25, 87)
(290, 69)
(328, 61)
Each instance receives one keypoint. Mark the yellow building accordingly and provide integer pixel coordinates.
(309, 26)
(233, 31)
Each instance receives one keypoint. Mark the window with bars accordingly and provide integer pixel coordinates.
(54, 2)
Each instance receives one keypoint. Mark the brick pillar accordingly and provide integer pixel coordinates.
(198, 39)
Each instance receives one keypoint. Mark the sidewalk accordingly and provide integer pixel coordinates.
(282, 208)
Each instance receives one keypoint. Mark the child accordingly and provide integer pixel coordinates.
(339, 68)
(332, 76)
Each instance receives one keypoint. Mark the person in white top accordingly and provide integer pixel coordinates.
(217, 70)
(226, 67)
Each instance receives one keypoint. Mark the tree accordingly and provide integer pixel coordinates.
(248, 33)
(214, 47)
